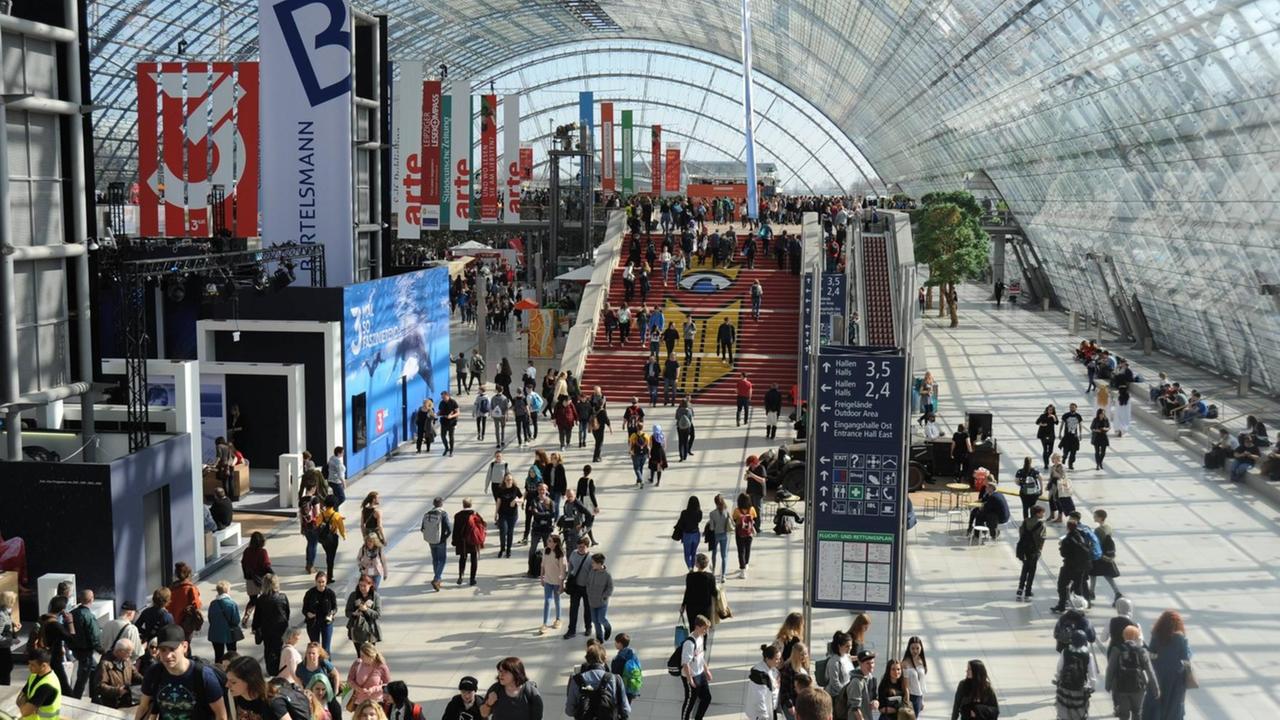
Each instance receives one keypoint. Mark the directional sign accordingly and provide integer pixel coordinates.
(806, 333)
(832, 300)
(861, 483)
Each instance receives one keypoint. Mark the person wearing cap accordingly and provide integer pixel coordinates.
(122, 628)
(466, 704)
(861, 690)
(41, 696)
(177, 687)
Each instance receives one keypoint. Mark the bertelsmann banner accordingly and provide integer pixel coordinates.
(305, 51)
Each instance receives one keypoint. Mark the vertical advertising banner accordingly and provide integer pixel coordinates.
(673, 168)
(526, 162)
(586, 118)
(446, 160)
(213, 125)
(628, 153)
(748, 116)
(430, 160)
(305, 51)
(489, 207)
(511, 175)
(608, 182)
(655, 167)
(542, 333)
(461, 155)
(406, 160)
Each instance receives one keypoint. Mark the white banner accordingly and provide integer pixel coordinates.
(406, 197)
(305, 51)
(511, 176)
(460, 156)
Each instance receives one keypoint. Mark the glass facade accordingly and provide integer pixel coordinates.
(1146, 132)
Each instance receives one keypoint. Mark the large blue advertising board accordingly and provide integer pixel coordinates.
(859, 426)
(395, 353)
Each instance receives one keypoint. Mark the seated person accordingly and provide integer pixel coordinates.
(1258, 430)
(994, 511)
(221, 508)
(210, 524)
(116, 677)
(1246, 457)
(1195, 408)
(1270, 467)
(1224, 448)
(1173, 401)
(932, 430)
(1159, 387)
(785, 520)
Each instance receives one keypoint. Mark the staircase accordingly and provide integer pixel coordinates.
(765, 349)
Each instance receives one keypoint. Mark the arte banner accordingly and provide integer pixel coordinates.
(542, 333)
(461, 155)
(608, 182)
(628, 153)
(430, 161)
(490, 209)
(673, 168)
(209, 139)
(406, 160)
(446, 160)
(511, 175)
(655, 167)
(526, 162)
(306, 57)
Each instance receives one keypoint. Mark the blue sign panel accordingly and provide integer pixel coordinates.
(806, 333)
(395, 353)
(832, 300)
(861, 478)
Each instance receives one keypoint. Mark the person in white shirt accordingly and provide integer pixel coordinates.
(932, 431)
(338, 476)
(915, 668)
(760, 701)
(122, 628)
(695, 671)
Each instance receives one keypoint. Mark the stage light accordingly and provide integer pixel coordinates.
(261, 280)
(284, 276)
(176, 290)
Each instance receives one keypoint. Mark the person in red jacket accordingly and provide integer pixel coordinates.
(566, 416)
(743, 413)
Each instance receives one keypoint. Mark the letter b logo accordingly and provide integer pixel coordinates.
(325, 27)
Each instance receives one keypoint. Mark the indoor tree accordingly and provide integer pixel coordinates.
(951, 241)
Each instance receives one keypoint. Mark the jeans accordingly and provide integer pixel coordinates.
(1028, 573)
(917, 704)
(653, 394)
(322, 634)
(446, 437)
(685, 437)
(583, 426)
(439, 556)
(690, 541)
(743, 413)
(500, 431)
(84, 671)
(522, 429)
(688, 352)
(506, 530)
(1239, 469)
(550, 592)
(755, 305)
(481, 422)
(339, 490)
(720, 545)
(696, 689)
(743, 543)
(600, 621)
(637, 465)
(313, 540)
(578, 599)
(669, 391)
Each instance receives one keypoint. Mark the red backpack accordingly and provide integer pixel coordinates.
(309, 513)
(476, 531)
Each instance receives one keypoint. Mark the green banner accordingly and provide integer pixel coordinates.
(628, 150)
(446, 162)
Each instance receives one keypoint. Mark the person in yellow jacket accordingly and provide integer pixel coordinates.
(41, 697)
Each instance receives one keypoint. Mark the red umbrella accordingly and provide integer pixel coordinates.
(526, 304)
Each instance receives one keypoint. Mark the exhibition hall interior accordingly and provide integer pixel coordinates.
(524, 359)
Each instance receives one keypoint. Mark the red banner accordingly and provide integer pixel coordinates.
(526, 162)
(655, 168)
(608, 182)
(208, 138)
(489, 208)
(429, 160)
(673, 168)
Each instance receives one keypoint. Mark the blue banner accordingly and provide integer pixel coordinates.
(586, 118)
(859, 428)
(395, 353)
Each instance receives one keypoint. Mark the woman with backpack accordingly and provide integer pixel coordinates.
(1075, 677)
(256, 698)
(638, 443)
(184, 600)
(332, 528)
(717, 532)
(745, 526)
(657, 455)
(1028, 479)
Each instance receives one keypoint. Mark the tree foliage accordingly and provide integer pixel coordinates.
(949, 238)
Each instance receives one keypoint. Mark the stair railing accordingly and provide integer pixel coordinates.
(594, 296)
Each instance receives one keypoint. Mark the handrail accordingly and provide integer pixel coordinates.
(581, 336)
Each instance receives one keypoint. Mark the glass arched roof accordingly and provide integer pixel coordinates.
(1144, 130)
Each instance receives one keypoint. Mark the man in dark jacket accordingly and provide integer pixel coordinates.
(1030, 545)
(652, 376)
(993, 513)
(462, 542)
(772, 410)
(725, 336)
(1077, 558)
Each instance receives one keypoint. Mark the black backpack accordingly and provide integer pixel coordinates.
(292, 700)
(674, 663)
(598, 702)
(1075, 670)
(1130, 677)
(150, 620)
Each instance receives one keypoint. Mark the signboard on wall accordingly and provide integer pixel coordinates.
(395, 353)
(197, 129)
(446, 160)
(305, 51)
(406, 148)
(628, 154)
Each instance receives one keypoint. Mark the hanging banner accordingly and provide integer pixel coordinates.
(586, 118)
(512, 176)
(430, 160)
(306, 59)
(673, 169)
(212, 123)
(490, 209)
(628, 151)
(446, 158)
(608, 182)
(406, 145)
(526, 162)
(748, 118)
(461, 156)
(655, 167)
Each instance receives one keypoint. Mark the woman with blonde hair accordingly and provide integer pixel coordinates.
(796, 665)
(8, 634)
(858, 631)
(369, 710)
(368, 676)
(224, 622)
(789, 634)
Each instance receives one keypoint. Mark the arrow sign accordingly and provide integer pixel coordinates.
(824, 475)
(823, 505)
(826, 388)
(826, 426)
(823, 490)
(824, 459)
(826, 367)
(824, 408)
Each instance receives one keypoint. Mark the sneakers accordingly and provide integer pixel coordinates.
(542, 630)
(570, 635)
(435, 585)
(1019, 595)
(556, 624)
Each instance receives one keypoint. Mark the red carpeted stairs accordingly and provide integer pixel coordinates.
(765, 349)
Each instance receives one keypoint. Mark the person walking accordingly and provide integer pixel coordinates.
(514, 696)
(436, 530)
(1130, 675)
(1069, 440)
(1029, 488)
(1030, 545)
(1077, 558)
(695, 671)
(670, 374)
(796, 668)
(599, 590)
(499, 407)
(961, 449)
(554, 568)
(508, 498)
(657, 455)
(1047, 431)
(638, 444)
(475, 368)
(1061, 501)
(757, 487)
(689, 332)
(319, 608)
(480, 412)
(585, 492)
(224, 622)
(687, 529)
(1100, 430)
(726, 334)
(652, 376)
(468, 538)
(448, 414)
(460, 372)
(84, 641)
(565, 416)
(684, 428)
(597, 425)
(916, 669)
(521, 412)
(772, 411)
(595, 678)
(1172, 664)
(371, 559)
(699, 598)
(746, 523)
(270, 621)
(424, 420)
(1104, 567)
(743, 390)
(717, 532)
(368, 678)
(1075, 678)
(582, 406)
(975, 697)
(577, 568)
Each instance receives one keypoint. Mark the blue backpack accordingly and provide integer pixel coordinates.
(535, 401)
(1095, 545)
